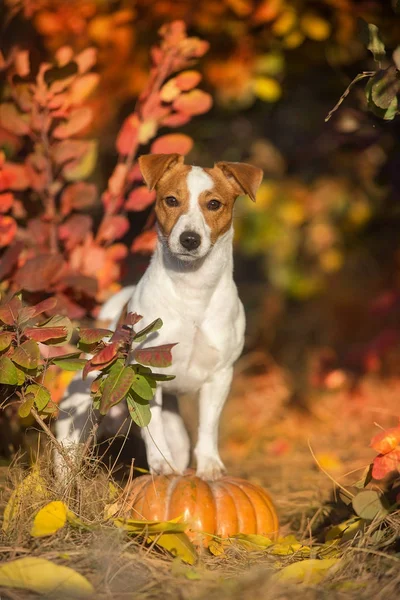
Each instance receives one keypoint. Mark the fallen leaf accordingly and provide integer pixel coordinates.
(310, 571)
(178, 544)
(44, 577)
(32, 485)
(49, 519)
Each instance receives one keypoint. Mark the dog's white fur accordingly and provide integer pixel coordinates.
(197, 300)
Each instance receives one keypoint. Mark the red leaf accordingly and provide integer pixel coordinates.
(127, 134)
(384, 464)
(145, 242)
(9, 311)
(74, 230)
(86, 59)
(172, 142)
(92, 336)
(13, 177)
(12, 120)
(68, 150)
(8, 229)
(106, 355)
(113, 228)
(6, 202)
(29, 312)
(81, 283)
(176, 119)
(117, 180)
(78, 196)
(40, 273)
(27, 355)
(386, 441)
(78, 120)
(140, 199)
(10, 259)
(65, 306)
(195, 102)
(155, 356)
(44, 334)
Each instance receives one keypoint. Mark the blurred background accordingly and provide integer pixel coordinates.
(317, 257)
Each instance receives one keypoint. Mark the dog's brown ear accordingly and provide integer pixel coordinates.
(153, 166)
(245, 178)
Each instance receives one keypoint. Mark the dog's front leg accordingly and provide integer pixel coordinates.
(211, 401)
(159, 456)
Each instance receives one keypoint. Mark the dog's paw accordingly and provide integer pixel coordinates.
(210, 468)
(163, 466)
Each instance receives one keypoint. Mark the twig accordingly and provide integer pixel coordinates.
(347, 91)
(326, 472)
(91, 438)
(52, 437)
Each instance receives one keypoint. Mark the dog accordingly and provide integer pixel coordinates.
(189, 284)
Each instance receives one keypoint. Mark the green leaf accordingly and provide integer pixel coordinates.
(70, 364)
(27, 355)
(385, 86)
(160, 377)
(116, 386)
(368, 505)
(141, 386)
(371, 37)
(6, 337)
(8, 371)
(26, 406)
(41, 395)
(139, 409)
(143, 333)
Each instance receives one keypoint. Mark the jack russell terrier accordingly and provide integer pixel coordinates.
(188, 284)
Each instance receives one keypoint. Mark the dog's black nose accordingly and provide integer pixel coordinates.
(190, 240)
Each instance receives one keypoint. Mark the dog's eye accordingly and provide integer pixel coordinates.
(171, 201)
(214, 205)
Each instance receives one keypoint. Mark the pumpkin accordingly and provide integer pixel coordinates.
(222, 508)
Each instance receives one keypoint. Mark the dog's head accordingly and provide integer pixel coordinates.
(194, 206)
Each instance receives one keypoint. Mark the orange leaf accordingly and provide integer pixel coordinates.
(195, 102)
(40, 273)
(145, 242)
(140, 199)
(13, 177)
(386, 441)
(113, 228)
(78, 120)
(176, 119)
(172, 142)
(127, 134)
(8, 229)
(187, 80)
(86, 59)
(12, 120)
(78, 196)
(82, 87)
(384, 464)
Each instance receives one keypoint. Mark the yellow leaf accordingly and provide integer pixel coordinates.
(82, 167)
(32, 485)
(315, 27)
(178, 544)
(294, 39)
(75, 521)
(253, 541)
(310, 571)
(329, 461)
(285, 22)
(49, 519)
(331, 260)
(292, 212)
(217, 548)
(140, 526)
(44, 577)
(346, 530)
(147, 131)
(267, 89)
(288, 545)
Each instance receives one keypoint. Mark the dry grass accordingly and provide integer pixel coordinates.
(265, 441)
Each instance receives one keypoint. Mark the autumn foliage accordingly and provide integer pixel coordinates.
(47, 230)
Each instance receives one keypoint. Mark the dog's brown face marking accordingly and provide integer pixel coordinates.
(201, 200)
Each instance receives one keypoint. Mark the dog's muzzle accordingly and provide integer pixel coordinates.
(190, 240)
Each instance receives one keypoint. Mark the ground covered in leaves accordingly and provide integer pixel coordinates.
(310, 459)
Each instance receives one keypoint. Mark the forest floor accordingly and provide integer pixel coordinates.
(303, 457)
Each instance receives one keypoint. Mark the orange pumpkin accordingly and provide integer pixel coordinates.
(223, 508)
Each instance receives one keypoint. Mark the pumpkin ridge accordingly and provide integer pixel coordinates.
(225, 485)
(234, 484)
(171, 488)
(266, 499)
(140, 483)
(218, 525)
(255, 490)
